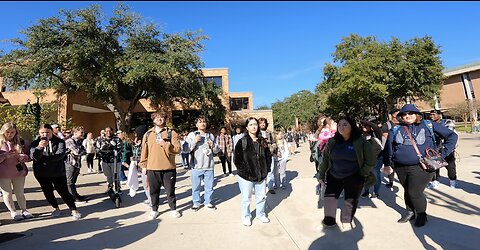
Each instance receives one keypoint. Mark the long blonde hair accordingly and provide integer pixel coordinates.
(17, 144)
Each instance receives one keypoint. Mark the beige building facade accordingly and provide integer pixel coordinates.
(94, 116)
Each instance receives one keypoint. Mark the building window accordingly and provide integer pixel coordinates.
(215, 79)
(238, 103)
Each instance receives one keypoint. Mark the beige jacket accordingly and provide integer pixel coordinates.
(157, 157)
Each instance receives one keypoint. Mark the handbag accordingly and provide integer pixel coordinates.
(432, 161)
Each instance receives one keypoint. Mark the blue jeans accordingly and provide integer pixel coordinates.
(197, 176)
(260, 197)
(378, 175)
(185, 162)
(273, 177)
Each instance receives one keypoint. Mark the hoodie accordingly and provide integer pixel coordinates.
(399, 149)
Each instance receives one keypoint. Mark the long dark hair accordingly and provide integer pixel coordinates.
(260, 138)
(356, 131)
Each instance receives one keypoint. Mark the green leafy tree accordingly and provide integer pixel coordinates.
(263, 107)
(116, 61)
(368, 77)
(302, 105)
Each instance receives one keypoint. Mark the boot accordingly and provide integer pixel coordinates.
(421, 220)
(410, 215)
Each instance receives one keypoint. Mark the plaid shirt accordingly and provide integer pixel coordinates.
(225, 143)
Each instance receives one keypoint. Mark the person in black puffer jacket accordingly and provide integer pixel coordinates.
(48, 154)
(252, 159)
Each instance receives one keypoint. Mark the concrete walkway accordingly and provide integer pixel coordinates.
(453, 221)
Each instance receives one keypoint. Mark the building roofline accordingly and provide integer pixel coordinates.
(212, 68)
(462, 69)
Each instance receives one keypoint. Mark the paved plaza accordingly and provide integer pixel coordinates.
(453, 222)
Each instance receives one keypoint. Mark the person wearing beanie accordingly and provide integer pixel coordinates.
(400, 153)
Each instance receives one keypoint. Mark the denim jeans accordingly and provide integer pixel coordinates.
(197, 176)
(378, 176)
(260, 197)
(273, 177)
(185, 162)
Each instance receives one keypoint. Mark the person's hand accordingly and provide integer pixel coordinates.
(144, 171)
(387, 170)
(43, 143)
(322, 181)
(22, 157)
(198, 138)
(125, 164)
(210, 143)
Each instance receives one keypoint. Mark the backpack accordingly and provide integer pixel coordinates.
(289, 137)
(427, 123)
(169, 135)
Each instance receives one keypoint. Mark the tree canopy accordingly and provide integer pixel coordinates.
(116, 62)
(368, 77)
(302, 105)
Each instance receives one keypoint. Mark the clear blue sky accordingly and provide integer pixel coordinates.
(275, 49)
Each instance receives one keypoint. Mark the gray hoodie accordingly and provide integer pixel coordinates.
(200, 159)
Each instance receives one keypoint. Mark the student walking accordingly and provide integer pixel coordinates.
(13, 170)
(253, 160)
(224, 141)
(203, 147)
(159, 147)
(48, 154)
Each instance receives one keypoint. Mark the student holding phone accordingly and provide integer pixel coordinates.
(48, 154)
(13, 170)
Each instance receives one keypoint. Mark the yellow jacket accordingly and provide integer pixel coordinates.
(157, 157)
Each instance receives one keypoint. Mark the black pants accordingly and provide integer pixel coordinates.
(224, 159)
(90, 160)
(99, 163)
(451, 168)
(167, 179)
(60, 183)
(353, 186)
(72, 176)
(414, 180)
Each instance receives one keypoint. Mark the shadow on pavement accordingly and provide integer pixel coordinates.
(448, 234)
(334, 238)
(110, 234)
(273, 200)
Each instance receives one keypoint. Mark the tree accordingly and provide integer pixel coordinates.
(116, 61)
(302, 105)
(461, 110)
(368, 77)
(263, 107)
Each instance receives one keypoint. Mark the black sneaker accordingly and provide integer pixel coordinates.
(329, 221)
(272, 191)
(389, 185)
(211, 206)
(374, 195)
(365, 194)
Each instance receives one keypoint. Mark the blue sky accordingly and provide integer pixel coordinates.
(275, 49)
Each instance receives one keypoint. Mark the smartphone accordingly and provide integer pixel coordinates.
(197, 133)
(19, 167)
(44, 138)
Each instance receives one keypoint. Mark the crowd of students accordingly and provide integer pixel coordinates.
(348, 156)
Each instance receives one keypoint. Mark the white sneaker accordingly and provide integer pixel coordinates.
(175, 214)
(264, 219)
(247, 222)
(153, 215)
(76, 216)
(89, 170)
(123, 182)
(27, 215)
(431, 185)
(15, 216)
(453, 183)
